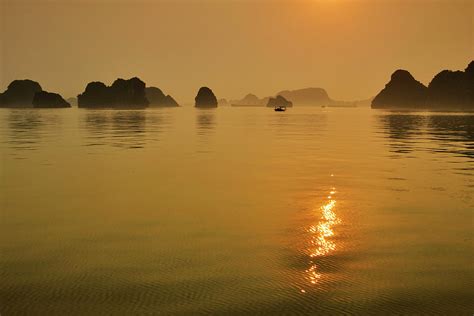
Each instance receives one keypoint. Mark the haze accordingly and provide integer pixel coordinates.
(350, 48)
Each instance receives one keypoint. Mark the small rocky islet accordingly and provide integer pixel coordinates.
(205, 98)
(29, 94)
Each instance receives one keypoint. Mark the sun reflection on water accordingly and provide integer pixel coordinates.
(321, 243)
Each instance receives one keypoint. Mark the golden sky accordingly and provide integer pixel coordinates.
(350, 48)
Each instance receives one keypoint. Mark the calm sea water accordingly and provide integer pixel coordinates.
(236, 211)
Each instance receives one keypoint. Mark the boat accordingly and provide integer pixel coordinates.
(280, 108)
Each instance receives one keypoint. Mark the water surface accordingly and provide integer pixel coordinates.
(236, 210)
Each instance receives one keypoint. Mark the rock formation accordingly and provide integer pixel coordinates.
(96, 95)
(307, 96)
(250, 99)
(452, 89)
(279, 101)
(157, 98)
(129, 92)
(20, 93)
(402, 91)
(447, 90)
(205, 98)
(169, 101)
(72, 101)
(122, 93)
(222, 102)
(43, 99)
(470, 79)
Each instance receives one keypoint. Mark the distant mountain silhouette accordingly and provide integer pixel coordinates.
(72, 101)
(279, 101)
(222, 102)
(205, 98)
(447, 90)
(250, 99)
(307, 96)
(122, 93)
(156, 97)
(20, 93)
(43, 99)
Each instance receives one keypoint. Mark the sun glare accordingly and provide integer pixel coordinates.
(321, 243)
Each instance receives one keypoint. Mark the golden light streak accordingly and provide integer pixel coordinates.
(321, 233)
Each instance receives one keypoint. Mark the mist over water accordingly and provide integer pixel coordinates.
(236, 210)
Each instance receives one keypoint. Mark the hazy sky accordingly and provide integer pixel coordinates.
(350, 48)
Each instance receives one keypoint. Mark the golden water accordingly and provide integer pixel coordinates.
(236, 210)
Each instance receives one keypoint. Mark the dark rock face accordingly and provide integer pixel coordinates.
(96, 95)
(452, 89)
(157, 98)
(20, 93)
(122, 93)
(279, 101)
(402, 91)
(205, 98)
(43, 99)
(448, 90)
(470, 81)
(307, 96)
(129, 92)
